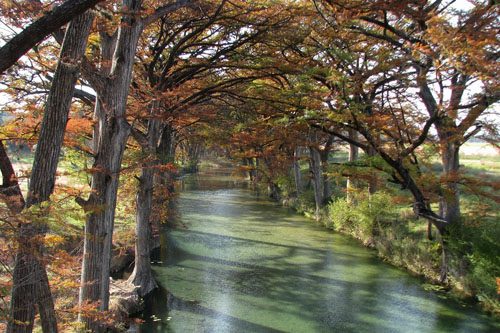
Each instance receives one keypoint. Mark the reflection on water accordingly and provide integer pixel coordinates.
(235, 262)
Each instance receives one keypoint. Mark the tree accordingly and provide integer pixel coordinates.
(142, 274)
(110, 136)
(30, 282)
(40, 29)
(449, 60)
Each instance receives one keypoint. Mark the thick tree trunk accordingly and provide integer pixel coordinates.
(450, 137)
(164, 179)
(443, 276)
(30, 282)
(107, 47)
(102, 202)
(100, 222)
(113, 135)
(353, 156)
(247, 163)
(142, 276)
(450, 196)
(55, 118)
(273, 189)
(256, 176)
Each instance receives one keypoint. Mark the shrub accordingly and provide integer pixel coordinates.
(374, 211)
(364, 218)
(342, 215)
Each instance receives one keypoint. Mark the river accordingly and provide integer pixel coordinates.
(237, 262)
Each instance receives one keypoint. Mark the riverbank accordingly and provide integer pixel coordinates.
(398, 239)
(402, 240)
(238, 262)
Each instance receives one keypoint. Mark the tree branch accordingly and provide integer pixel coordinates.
(40, 29)
(164, 10)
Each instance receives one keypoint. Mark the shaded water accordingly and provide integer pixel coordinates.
(236, 262)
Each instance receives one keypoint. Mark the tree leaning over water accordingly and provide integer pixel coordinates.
(40, 29)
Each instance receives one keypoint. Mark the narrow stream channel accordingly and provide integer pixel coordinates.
(236, 262)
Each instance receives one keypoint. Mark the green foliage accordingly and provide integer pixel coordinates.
(286, 185)
(374, 210)
(475, 246)
(363, 218)
(305, 202)
(341, 215)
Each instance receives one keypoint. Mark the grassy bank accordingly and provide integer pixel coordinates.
(385, 222)
(401, 239)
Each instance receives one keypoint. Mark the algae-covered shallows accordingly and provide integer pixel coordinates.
(239, 263)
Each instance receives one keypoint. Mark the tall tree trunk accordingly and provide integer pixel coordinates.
(30, 281)
(297, 176)
(142, 276)
(353, 156)
(107, 47)
(166, 154)
(450, 137)
(256, 175)
(450, 196)
(327, 187)
(317, 178)
(112, 92)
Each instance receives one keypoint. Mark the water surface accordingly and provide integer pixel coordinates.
(236, 262)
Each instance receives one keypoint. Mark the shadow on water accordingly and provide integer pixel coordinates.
(162, 299)
(237, 263)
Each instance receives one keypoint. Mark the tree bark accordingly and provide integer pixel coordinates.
(40, 29)
(167, 144)
(297, 176)
(10, 192)
(107, 47)
(327, 188)
(353, 156)
(317, 178)
(142, 276)
(113, 133)
(450, 193)
(30, 281)
(166, 154)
